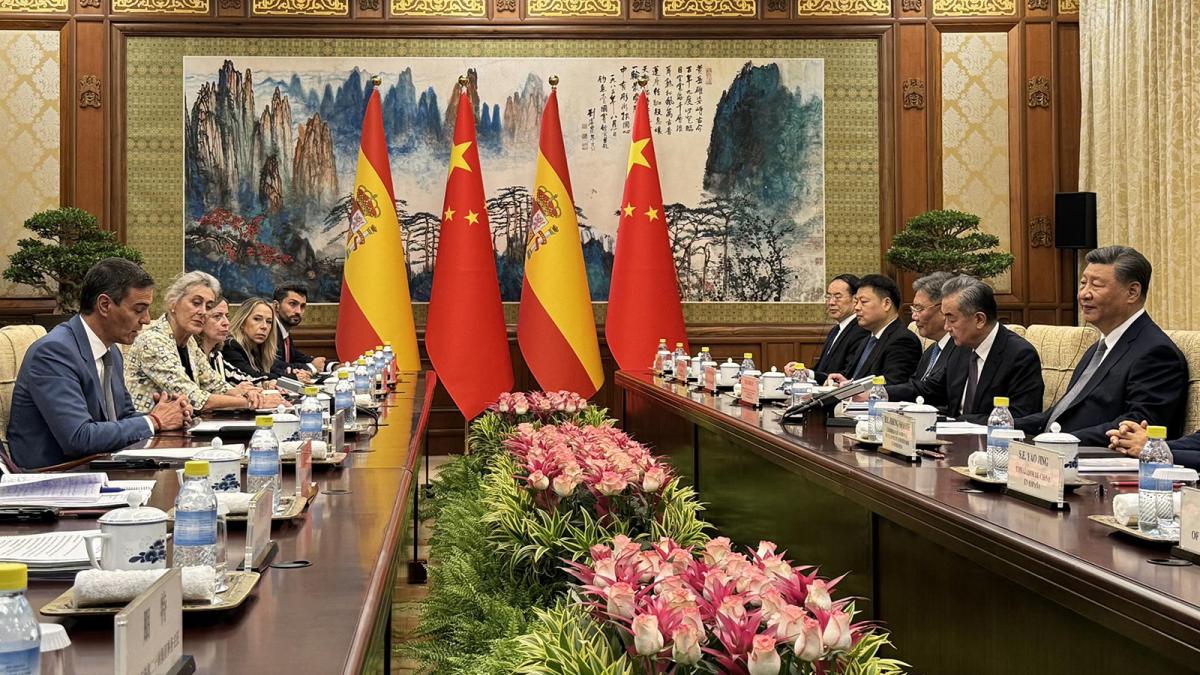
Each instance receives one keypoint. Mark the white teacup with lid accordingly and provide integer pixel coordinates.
(132, 538)
(770, 385)
(926, 417)
(727, 373)
(1063, 443)
(224, 467)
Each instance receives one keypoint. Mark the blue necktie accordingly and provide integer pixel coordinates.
(833, 333)
(866, 354)
(934, 352)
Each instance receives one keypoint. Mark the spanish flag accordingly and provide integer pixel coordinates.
(375, 306)
(555, 328)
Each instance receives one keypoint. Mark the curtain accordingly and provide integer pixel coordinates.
(1140, 140)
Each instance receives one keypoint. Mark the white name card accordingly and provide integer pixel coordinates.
(148, 633)
(1189, 520)
(258, 528)
(750, 389)
(1035, 471)
(304, 470)
(900, 434)
(710, 378)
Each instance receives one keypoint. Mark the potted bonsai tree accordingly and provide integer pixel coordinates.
(947, 241)
(68, 243)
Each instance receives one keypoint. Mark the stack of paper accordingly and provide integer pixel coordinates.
(48, 553)
(67, 490)
(1107, 464)
(217, 426)
(961, 429)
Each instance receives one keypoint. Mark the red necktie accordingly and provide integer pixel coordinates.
(287, 349)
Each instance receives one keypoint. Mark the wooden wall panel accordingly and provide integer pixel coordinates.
(89, 149)
(1038, 104)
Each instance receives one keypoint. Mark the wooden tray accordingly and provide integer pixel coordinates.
(293, 508)
(938, 443)
(1068, 486)
(1113, 523)
(239, 585)
(336, 459)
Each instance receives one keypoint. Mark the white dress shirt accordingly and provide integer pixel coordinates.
(1112, 338)
(842, 326)
(99, 349)
(982, 351)
(879, 333)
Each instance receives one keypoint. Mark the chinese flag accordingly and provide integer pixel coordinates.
(643, 299)
(465, 334)
(375, 305)
(556, 328)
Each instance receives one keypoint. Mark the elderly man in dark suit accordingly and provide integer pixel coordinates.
(845, 336)
(70, 400)
(927, 317)
(1135, 372)
(890, 350)
(988, 361)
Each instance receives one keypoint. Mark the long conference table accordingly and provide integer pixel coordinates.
(333, 616)
(968, 582)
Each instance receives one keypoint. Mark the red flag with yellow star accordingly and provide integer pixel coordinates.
(465, 333)
(643, 298)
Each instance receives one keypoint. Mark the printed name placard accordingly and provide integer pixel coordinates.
(1035, 471)
(750, 389)
(148, 633)
(900, 434)
(1189, 520)
(258, 528)
(337, 438)
(681, 370)
(304, 469)
(710, 378)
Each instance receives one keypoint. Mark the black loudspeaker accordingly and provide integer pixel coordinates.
(1075, 220)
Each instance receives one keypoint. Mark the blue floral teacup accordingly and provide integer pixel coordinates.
(133, 538)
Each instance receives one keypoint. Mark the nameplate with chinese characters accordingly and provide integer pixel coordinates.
(749, 390)
(1189, 520)
(304, 470)
(1036, 472)
(258, 528)
(148, 633)
(337, 437)
(900, 435)
(710, 378)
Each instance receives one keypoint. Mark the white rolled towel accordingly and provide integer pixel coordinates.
(978, 463)
(288, 449)
(364, 400)
(112, 587)
(1125, 507)
(238, 503)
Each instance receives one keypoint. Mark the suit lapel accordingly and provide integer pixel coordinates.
(1110, 359)
(872, 365)
(956, 381)
(995, 357)
(91, 377)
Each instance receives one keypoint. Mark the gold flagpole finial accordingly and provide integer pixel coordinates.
(553, 81)
(643, 80)
(463, 80)
(376, 80)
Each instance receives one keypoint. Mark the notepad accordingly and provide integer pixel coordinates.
(173, 453)
(48, 552)
(961, 429)
(1108, 464)
(216, 426)
(51, 489)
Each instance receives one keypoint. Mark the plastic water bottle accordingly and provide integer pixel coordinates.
(195, 539)
(661, 355)
(311, 427)
(997, 448)
(800, 390)
(263, 470)
(1155, 509)
(874, 412)
(747, 364)
(388, 355)
(362, 378)
(343, 399)
(20, 636)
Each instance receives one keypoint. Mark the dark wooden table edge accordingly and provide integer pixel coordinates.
(384, 576)
(1114, 601)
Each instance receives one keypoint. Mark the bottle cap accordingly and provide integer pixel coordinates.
(361, 362)
(264, 421)
(195, 468)
(1000, 401)
(878, 380)
(678, 344)
(13, 576)
(747, 355)
(343, 375)
(378, 348)
(704, 350)
(1156, 432)
(311, 390)
(370, 353)
(798, 366)
(387, 343)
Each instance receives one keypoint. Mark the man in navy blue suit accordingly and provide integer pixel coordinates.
(70, 399)
(1135, 372)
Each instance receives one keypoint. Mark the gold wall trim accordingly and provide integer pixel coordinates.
(843, 7)
(160, 6)
(1068, 6)
(436, 8)
(301, 7)
(974, 7)
(33, 6)
(573, 8)
(709, 8)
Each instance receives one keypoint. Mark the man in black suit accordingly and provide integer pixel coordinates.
(1130, 438)
(989, 360)
(846, 336)
(1135, 372)
(931, 325)
(891, 349)
(290, 303)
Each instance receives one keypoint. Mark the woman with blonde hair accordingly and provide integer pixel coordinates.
(251, 345)
(166, 358)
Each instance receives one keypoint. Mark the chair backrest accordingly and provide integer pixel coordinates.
(1060, 349)
(14, 342)
(1188, 342)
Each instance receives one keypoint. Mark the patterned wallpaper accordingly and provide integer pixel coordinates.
(975, 132)
(155, 149)
(29, 116)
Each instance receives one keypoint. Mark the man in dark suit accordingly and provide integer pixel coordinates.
(989, 360)
(931, 325)
(70, 400)
(1135, 372)
(290, 303)
(891, 349)
(846, 335)
(1130, 438)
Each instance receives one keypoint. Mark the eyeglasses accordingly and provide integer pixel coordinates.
(919, 309)
(835, 296)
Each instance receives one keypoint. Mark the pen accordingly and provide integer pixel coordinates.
(109, 490)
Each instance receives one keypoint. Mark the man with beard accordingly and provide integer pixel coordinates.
(290, 303)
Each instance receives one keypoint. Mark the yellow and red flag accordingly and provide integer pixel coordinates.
(465, 333)
(643, 298)
(375, 305)
(556, 328)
